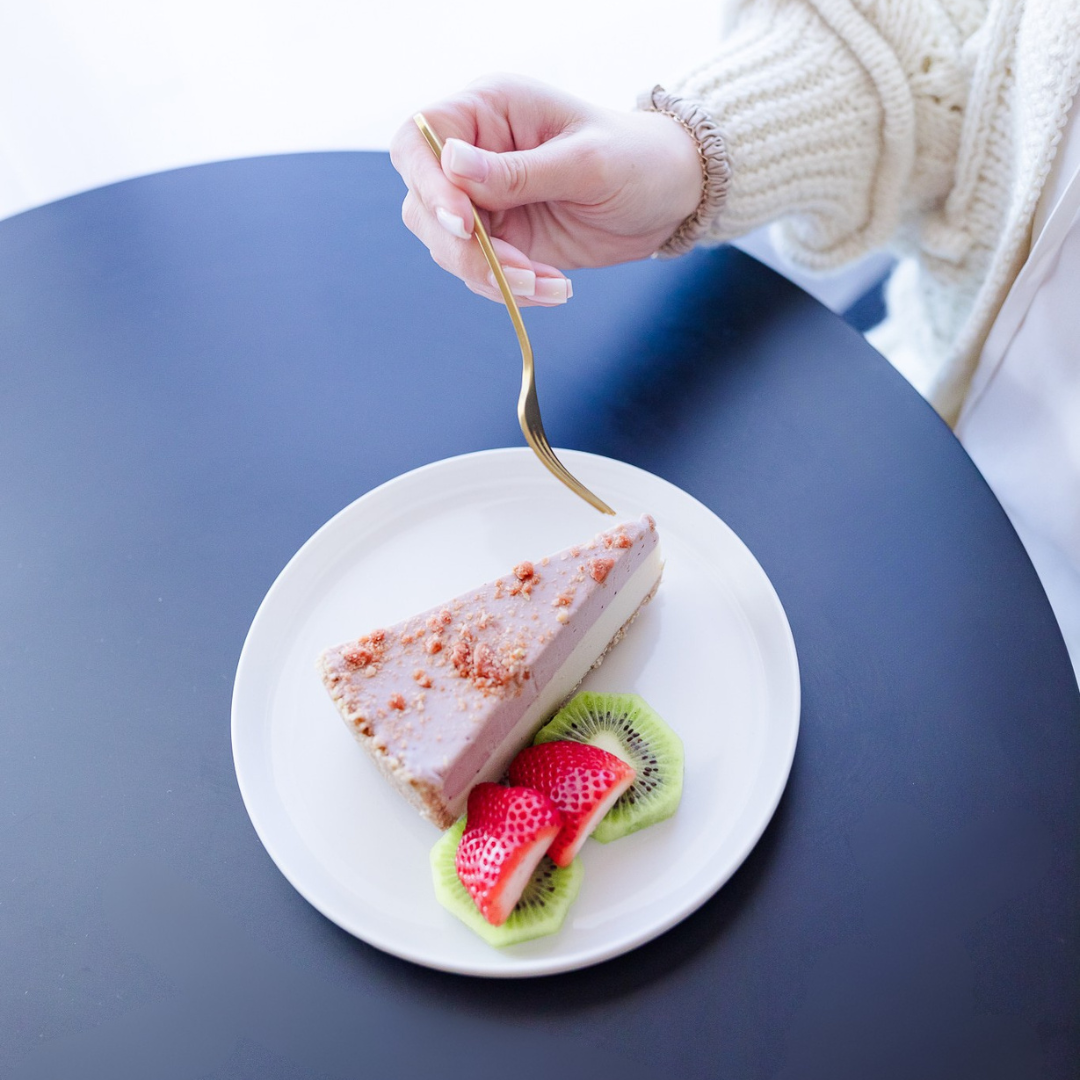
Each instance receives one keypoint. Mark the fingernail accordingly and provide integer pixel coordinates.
(553, 290)
(465, 160)
(451, 223)
(521, 282)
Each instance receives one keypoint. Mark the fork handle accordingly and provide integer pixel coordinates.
(484, 240)
(528, 410)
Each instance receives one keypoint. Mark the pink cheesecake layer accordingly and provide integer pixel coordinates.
(440, 699)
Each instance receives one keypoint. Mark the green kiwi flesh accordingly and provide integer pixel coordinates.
(540, 911)
(625, 725)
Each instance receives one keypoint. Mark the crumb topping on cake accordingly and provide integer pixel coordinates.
(368, 651)
(600, 568)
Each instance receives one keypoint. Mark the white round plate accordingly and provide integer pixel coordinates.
(713, 654)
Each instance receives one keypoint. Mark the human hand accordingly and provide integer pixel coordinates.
(558, 183)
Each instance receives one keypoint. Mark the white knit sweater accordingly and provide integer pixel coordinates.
(928, 126)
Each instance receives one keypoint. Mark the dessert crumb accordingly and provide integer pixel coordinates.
(600, 568)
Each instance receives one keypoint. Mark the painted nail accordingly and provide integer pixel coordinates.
(521, 282)
(553, 290)
(451, 223)
(465, 160)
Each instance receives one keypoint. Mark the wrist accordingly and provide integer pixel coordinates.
(701, 170)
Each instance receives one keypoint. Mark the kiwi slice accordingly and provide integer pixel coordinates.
(540, 911)
(626, 726)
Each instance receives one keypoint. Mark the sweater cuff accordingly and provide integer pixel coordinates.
(715, 168)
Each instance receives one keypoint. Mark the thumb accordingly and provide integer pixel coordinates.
(548, 173)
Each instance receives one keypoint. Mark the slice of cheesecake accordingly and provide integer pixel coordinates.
(444, 700)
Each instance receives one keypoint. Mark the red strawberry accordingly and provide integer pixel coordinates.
(507, 832)
(583, 781)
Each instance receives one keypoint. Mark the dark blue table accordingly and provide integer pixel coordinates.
(198, 368)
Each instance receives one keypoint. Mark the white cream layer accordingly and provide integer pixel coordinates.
(589, 650)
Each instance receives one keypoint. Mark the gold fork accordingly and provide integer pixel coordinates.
(528, 408)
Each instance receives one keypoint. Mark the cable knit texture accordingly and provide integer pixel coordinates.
(928, 126)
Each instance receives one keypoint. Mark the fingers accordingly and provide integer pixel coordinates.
(413, 159)
(538, 285)
(532, 283)
(558, 170)
(528, 145)
(480, 129)
(553, 287)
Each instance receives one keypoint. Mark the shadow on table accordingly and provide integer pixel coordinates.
(652, 353)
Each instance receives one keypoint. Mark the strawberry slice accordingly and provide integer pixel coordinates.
(582, 780)
(507, 832)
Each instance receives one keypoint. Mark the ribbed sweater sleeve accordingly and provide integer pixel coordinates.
(836, 118)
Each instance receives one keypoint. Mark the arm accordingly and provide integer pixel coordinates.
(836, 123)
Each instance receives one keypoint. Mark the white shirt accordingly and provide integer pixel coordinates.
(1021, 418)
